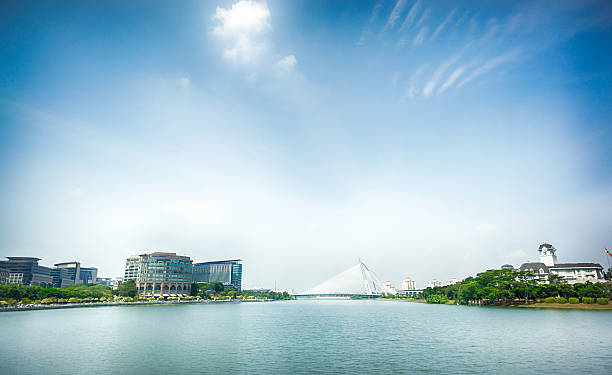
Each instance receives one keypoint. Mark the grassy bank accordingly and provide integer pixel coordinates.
(578, 306)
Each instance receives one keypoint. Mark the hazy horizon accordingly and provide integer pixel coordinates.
(429, 139)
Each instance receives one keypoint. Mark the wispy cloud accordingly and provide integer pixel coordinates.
(413, 89)
(462, 19)
(423, 17)
(411, 16)
(394, 16)
(451, 79)
(241, 28)
(431, 84)
(286, 64)
(441, 27)
(420, 37)
(365, 34)
(490, 65)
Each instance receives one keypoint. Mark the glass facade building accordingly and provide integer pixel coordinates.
(88, 275)
(26, 271)
(67, 273)
(160, 274)
(228, 272)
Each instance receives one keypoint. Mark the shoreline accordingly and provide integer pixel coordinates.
(110, 304)
(537, 305)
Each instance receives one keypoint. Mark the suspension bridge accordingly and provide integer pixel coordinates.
(356, 282)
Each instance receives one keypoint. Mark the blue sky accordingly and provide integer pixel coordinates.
(432, 139)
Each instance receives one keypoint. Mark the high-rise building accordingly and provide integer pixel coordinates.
(408, 284)
(228, 272)
(26, 271)
(160, 273)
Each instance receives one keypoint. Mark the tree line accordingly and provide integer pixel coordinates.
(14, 293)
(508, 286)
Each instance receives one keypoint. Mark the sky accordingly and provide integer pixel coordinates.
(431, 139)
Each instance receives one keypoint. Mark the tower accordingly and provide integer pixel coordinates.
(547, 254)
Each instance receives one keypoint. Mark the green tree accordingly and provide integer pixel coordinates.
(128, 289)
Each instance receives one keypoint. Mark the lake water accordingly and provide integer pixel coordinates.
(334, 337)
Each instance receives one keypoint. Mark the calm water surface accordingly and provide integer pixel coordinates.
(326, 337)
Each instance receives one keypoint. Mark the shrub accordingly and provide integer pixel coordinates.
(574, 300)
(26, 301)
(602, 301)
(561, 300)
(11, 301)
(549, 299)
(587, 300)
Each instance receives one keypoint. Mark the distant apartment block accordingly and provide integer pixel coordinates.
(26, 271)
(228, 272)
(160, 274)
(434, 283)
(452, 281)
(408, 284)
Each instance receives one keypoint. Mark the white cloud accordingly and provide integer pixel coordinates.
(241, 28)
(441, 27)
(184, 81)
(395, 14)
(451, 79)
(420, 37)
(429, 87)
(413, 89)
(489, 65)
(423, 17)
(366, 32)
(286, 64)
(411, 16)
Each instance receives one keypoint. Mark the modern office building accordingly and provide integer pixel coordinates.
(4, 275)
(160, 274)
(67, 273)
(88, 275)
(228, 272)
(62, 277)
(26, 271)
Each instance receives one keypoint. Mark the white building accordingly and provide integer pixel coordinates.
(434, 283)
(388, 288)
(572, 272)
(408, 284)
(452, 281)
